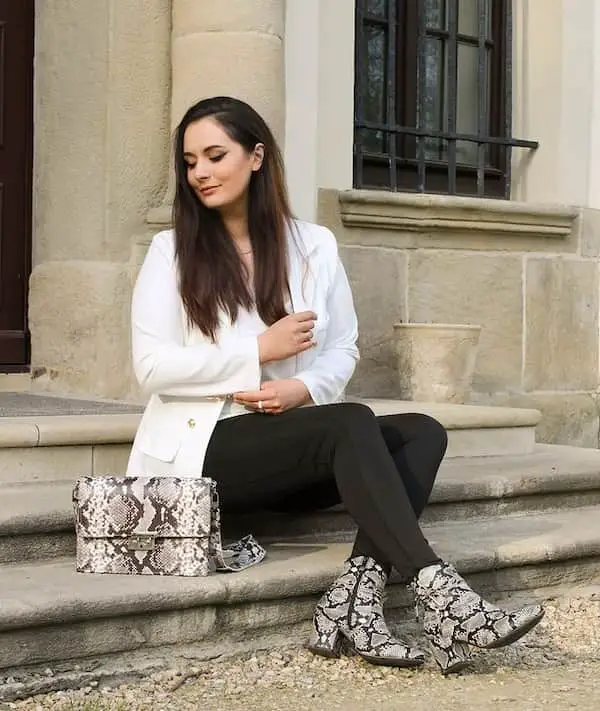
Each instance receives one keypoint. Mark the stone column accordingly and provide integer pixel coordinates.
(224, 48)
(101, 136)
(233, 48)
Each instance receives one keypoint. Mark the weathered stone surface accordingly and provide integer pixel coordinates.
(247, 65)
(30, 464)
(262, 16)
(79, 320)
(102, 124)
(436, 361)
(567, 418)
(590, 232)
(378, 281)
(485, 290)
(110, 459)
(561, 345)
(403, 220)
(50, 613)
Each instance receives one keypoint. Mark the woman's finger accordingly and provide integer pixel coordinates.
(252, 398)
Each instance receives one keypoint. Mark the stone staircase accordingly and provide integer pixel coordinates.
(514, 515)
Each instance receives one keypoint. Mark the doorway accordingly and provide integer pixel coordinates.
(16, 160)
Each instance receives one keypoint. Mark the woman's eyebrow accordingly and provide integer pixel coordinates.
(189, 154)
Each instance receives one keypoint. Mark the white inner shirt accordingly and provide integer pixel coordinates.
(249, 323)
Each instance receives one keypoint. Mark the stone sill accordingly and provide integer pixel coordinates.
(422, 213)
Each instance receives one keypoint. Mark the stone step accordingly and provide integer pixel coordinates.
(52, 447)
(36, 520)
(50, 614)
(551, 478)
(473, 430)
(63, 447)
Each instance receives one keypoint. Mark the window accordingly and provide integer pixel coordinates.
(433, 96)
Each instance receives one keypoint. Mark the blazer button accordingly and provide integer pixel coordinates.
(191, 423)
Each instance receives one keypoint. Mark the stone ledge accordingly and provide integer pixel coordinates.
(53, 430)
(459, 417)
(420, 213)
(455, 222)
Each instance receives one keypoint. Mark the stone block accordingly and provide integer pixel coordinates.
(247, 66)
(79, 315)
(30, 464)
(589, 225)
(102, 124)
(110, 459)
(567, 418)
(486, 290)
(378, 281)
(104, 636)
(14, 382)
(259, 16)
(561, 338)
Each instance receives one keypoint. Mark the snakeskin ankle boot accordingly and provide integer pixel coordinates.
(455, 617)
(352, 610)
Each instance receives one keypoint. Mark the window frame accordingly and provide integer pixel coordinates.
(403, 165)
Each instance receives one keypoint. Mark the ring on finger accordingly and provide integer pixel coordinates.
(260, 405)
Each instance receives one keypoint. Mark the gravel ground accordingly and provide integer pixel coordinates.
(555, 667)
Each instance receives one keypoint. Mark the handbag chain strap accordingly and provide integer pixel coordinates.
(237, 556)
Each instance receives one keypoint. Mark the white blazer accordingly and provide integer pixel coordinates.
(188, 377)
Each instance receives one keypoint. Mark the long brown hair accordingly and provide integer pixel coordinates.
(211, 274)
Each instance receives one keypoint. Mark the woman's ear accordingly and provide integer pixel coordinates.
(258, 156)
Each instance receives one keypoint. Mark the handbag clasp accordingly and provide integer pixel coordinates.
(141, 542)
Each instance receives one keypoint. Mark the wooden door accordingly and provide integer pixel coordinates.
(16, 148)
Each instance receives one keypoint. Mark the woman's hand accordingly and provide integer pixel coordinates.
(275, 396)
(287, 337)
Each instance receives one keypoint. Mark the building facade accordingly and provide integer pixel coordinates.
(452, 145)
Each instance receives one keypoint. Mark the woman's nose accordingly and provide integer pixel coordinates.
(201, 171)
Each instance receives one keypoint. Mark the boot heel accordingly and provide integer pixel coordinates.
(452, 659)
(325, 640)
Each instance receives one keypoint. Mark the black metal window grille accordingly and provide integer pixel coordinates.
(433, 95)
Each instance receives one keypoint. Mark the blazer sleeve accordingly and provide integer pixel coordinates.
(327, 377)
(162, 363)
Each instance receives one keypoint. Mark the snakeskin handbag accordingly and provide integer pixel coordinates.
(154, 526)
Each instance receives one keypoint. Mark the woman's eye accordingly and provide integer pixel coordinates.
(189, 166)
(217, 158)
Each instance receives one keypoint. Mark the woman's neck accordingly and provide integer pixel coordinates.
(236, 223)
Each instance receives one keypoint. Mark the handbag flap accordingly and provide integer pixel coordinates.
(166, 507)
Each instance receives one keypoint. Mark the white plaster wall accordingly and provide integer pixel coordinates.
(593, 199)
(556, 100)
(336, 94)
(302, 67)
(319, 56)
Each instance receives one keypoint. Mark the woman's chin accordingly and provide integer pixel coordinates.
(215, 202)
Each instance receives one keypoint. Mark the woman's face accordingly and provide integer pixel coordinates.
(218, 168)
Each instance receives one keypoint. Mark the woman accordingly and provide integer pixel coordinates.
(243, 319)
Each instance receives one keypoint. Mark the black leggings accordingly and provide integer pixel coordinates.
(381, 468)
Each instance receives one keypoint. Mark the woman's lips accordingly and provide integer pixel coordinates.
(208, 191)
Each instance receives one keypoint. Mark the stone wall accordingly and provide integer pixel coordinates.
(101, 145)
(112, 80)
(528, 274)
